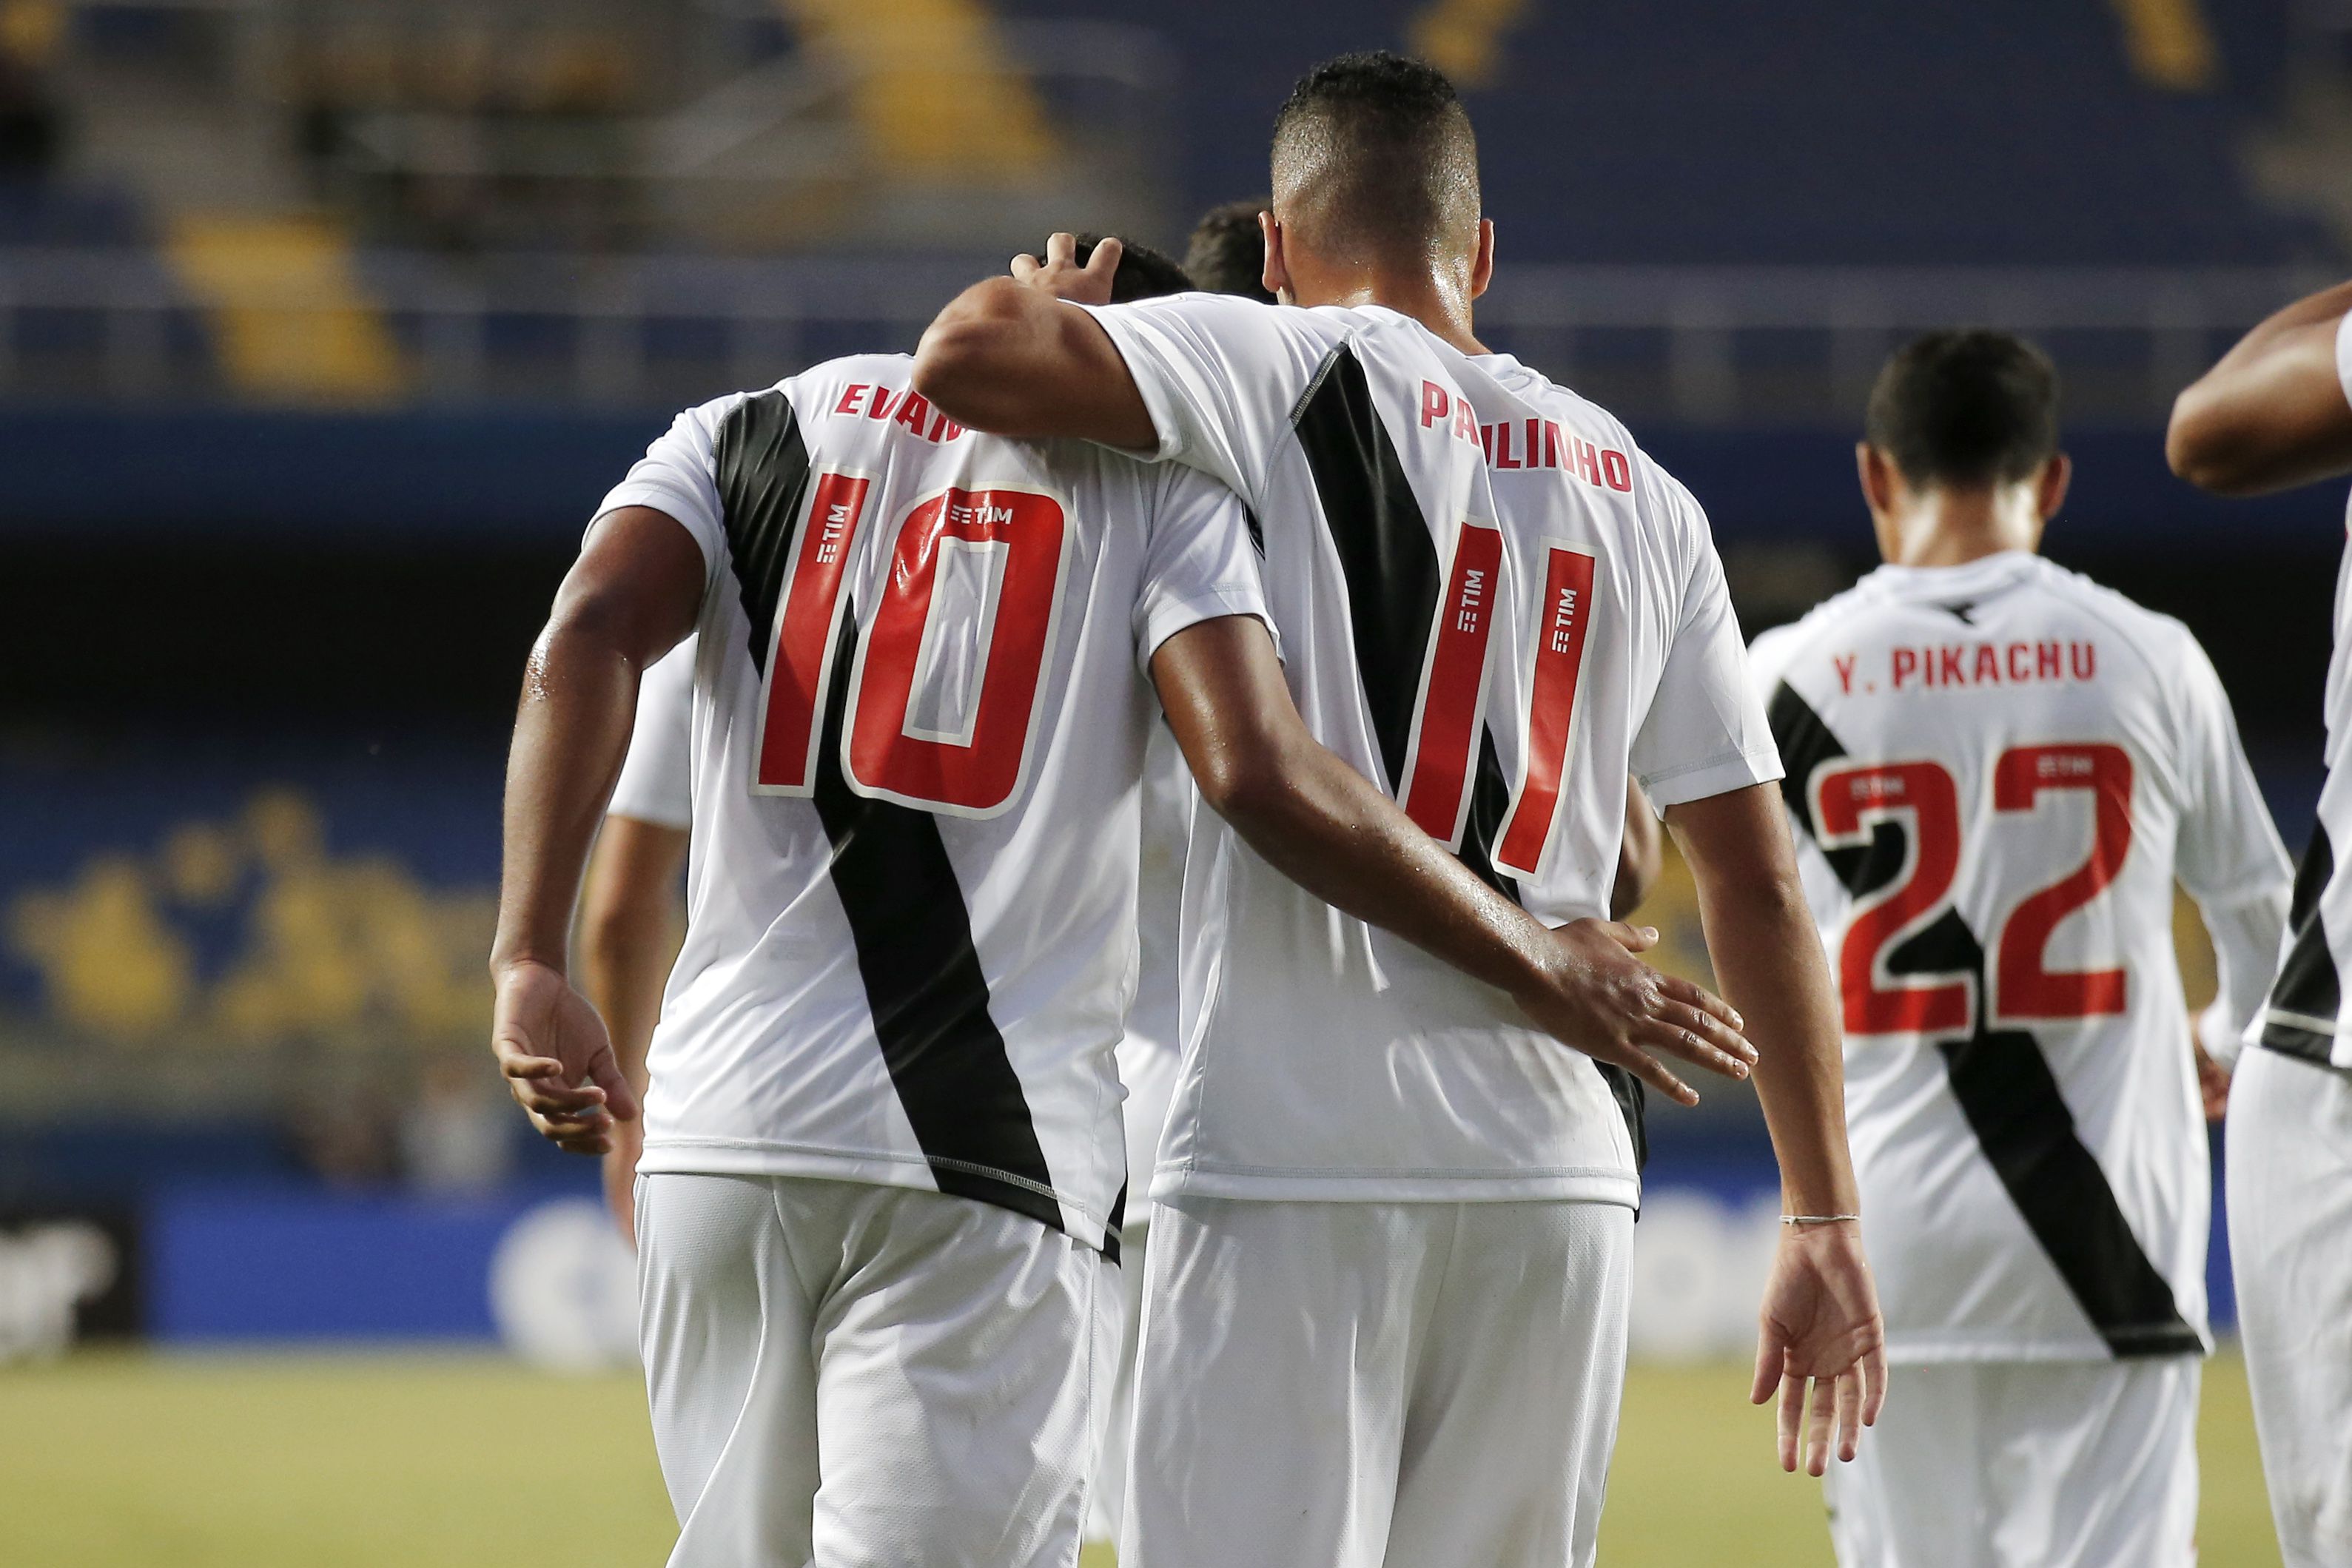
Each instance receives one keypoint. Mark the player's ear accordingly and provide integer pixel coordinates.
(1277, 276)
(1482, 263)
(2050, 485)
(1877, 476)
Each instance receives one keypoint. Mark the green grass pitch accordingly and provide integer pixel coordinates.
(398, 1460)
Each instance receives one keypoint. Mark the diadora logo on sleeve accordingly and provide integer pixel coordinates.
(1526, 443)
(910, 409)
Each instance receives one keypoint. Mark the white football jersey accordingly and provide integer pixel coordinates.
(1997, 771)
(1497, 644)
(2306, 1016)
(920, 720)
(656, 781)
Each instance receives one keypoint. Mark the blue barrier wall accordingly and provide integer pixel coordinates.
(442, 478)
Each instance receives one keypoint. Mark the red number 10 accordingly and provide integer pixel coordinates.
(1006, 552)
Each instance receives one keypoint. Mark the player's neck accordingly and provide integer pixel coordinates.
(1439, 303)
(1948, 528)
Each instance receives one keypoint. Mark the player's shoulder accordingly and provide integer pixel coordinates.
(2163, 643)
(1774, 652)
(818, 390)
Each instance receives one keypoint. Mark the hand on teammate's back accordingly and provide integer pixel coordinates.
(1597, 996)
(1819, 1325)
(558, 1061)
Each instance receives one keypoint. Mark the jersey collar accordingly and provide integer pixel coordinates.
(1985, 575)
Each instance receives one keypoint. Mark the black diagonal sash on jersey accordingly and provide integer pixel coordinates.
(763, 476)
(2004, 1086)
(2307, 984)
(890, 870)
(1394, 580)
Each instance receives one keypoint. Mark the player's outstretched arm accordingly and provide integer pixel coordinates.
(2272, 413)
(1009, 358)
(625, 945)
(1329, 829)
(1819, 1323)
(630, 598)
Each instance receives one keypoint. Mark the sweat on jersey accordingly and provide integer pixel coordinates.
(1498, 643)
(2305, 1014)
(1997, 771)
(919, 728)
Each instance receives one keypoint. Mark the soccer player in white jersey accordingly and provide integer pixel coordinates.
(1998, 770)
(1386, 1301)
(629, 913)
(878, 1200)
(2278, 411)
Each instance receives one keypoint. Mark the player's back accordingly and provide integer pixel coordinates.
(1487, 641)
(918, 726)
(1999, 769)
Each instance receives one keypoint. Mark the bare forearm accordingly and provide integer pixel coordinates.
(628, 930)
(2272, 413)
(621, 971)
(572, 731)
(1768, 964)
(1326, 828)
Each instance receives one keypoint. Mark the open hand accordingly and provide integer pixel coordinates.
(558, 1061)
(1598, 997)
(1060, 275)
(1820, 1324)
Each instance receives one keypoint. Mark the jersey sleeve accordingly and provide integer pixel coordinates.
(2229, 849)
(1199, 562)
(656, 784)
(1219, 375)
(1706, 732)
(2228, 854)
(678, 477)
(1768, 659)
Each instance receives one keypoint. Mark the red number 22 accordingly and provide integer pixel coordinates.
(1847, 801)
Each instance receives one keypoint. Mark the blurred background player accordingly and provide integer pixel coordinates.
(878, 1199)
(2278, 412)
(1226, 254)
(631, 915)
(1997, 770)
(1362, 1153)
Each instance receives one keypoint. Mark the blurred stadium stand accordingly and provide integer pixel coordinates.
(323, 324)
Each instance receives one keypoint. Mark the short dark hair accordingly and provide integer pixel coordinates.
(1227, 253)
(1965, 408)
(1374, 157)
(1143, 273)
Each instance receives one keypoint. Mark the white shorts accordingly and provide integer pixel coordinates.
(1348, 1385)
(859, 1377)
(2024, 1464)
(1151, 1078)
(2290, 1195)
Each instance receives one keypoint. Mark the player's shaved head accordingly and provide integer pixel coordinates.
(1143, 273)
(1966, 409)
(1227, 252)
(1374, 164)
